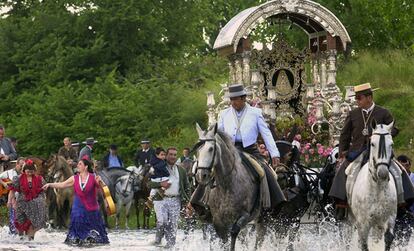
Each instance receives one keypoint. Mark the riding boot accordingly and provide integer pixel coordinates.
(276, 194)
(340, 210)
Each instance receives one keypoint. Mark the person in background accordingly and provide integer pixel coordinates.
(406, 163)
(177, 193)
(13, 141)
(186, 156)
(159, 173)
(7, 151)
(145, 154)
(12, 174)
(68, 152)
(86, 223)
(30, 206)
(112, 159)
(86, 151)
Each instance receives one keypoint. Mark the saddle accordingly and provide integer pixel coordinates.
(257, 169)
(255, 165)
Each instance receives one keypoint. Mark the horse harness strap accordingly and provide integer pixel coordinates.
(373, 176)
(200, 143)
(210, 166)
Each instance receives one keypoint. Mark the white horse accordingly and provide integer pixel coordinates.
(125, 188)
(373, 200)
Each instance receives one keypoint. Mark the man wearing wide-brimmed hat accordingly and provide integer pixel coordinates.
(243, 124)
(86, 152)
(354, 141)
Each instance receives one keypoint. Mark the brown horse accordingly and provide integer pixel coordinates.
(59, 171)
(141, 196)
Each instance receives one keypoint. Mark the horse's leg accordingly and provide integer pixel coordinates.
(66, 213)
(235, 230)
(363, 231)
(52, 207)
(389, 234)
(293, 233)
(59, 211)
(147, 214)
(127, 208)
(136, 205)
(118, 212)
(260, 234)
(388, 238)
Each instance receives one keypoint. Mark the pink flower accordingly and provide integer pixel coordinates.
(320, 150)
(307, 146)
(312, 151)
(318, 145)
(327, 151)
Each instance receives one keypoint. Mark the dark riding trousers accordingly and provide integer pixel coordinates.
(276, 194)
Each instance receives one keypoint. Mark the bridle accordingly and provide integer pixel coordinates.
(200, 143)
(382, 152)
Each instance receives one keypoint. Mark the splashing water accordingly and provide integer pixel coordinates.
(327, 236)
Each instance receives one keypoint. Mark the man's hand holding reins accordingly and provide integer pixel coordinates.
(275, 162)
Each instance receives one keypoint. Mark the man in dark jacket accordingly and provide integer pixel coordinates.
(145, 154)
(355, 138)
(112, 159)
(68, 152)
(86, 152)
(7, 151)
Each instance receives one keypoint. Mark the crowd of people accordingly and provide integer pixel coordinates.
(170, 186)
(26, 200)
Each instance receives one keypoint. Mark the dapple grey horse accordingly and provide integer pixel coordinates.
(125, 188)
(234, 197)
(373, 201)
(122, 184)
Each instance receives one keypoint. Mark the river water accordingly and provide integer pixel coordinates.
(326, 237)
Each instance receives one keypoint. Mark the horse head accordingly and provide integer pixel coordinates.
(187, 164)
(58, 168)
(206, 153)
(137, 176)
(381, 151)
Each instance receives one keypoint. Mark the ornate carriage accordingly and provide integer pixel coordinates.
(284, 81)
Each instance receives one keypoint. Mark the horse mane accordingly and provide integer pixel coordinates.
(61, 162)
(230, 145)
